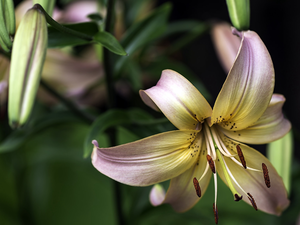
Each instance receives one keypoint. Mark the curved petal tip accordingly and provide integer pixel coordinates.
(94, 142)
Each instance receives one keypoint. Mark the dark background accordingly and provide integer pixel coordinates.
(276, 22)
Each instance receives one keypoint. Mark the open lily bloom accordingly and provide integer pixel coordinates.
(209, 141)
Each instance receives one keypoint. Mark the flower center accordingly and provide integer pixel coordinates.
(217, 150)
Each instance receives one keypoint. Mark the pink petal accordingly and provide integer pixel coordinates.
(150, 160)
(178, 99)
(181, 194)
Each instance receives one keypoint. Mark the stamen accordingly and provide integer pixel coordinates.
(197, 187)
(211, 163)
(240, 164)
(219, 143)
(252, 201)
(215, 208)
(209, 141)
(241, 156)
(224, 148)
(237, 197)
(266, 175)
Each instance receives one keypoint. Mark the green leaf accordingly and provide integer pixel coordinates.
(134, 75)
(109, 42)
(57, 39)
(181, 26)
(144, 32)
(195, 32)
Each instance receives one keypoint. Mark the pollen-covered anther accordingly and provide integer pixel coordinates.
(241, 156)
(211, 163)
(215, 208)
(252, 201)
(237, 197)
(197, 187)
(266, 175)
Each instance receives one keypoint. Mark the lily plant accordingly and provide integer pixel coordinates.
(209, 141)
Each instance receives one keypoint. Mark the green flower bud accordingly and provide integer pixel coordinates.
(7, 23)
(280, 154)
(9, 15)
(28, 56)
(239, 12)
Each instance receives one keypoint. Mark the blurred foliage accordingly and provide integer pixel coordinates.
(44, 177)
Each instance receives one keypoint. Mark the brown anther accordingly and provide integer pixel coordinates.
(216, 213)
(237, 197)
(197, 187)
(252, 201)
(266, 175)
(211, 163)
(241, 156)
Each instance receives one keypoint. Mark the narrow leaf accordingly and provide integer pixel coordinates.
(57, 39)
(144, 32)
(109, 42)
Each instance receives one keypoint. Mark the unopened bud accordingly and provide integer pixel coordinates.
(9, 16)
(239, 12)
(7, 24)
(280, 154)
(28, 56)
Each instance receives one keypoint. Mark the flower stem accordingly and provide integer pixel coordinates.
(84, 116)
(112, 102)
(107, 57)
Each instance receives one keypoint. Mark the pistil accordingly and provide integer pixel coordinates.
(227, 177)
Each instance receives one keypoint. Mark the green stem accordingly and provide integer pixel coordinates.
(60, 27)
(84, 116)
(107, 57)
(112, 103)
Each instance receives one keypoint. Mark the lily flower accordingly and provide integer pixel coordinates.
(209, 141)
